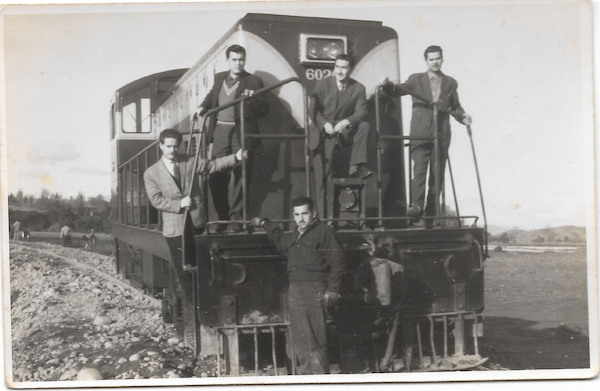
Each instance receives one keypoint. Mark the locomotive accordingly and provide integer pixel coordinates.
(413, 296)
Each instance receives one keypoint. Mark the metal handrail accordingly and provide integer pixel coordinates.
(353, 219)
(242, 132)
(436, 108)
(146, 149)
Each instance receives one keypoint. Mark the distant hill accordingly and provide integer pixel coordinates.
(497, 229)
(549, 235)
(27, 208)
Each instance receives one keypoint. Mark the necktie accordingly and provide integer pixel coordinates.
(176, 172)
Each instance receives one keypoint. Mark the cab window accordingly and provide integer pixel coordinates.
(136, 112)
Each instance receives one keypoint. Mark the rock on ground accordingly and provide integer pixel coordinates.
(71, 325)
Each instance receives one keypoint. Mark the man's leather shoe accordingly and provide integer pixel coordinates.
(235, 228)
(361, 172)
(220, 228)
(428, 223)
(413, 211)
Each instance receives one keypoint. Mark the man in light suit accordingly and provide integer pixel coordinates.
(223, 130)
(338, 109)
(167, 185)
(440, 89)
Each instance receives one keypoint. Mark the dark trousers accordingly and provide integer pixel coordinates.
(307, 323)
(423, 157)
(66, 240)
(226, 142)
(181, 283)
(322, 159)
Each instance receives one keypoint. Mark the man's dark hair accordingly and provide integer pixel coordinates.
(169, 133)
(236, 49)
(433, 49)
(345, 57)
(303, 200)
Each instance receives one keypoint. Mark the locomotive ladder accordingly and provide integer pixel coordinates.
(427, 341)
(228, 342)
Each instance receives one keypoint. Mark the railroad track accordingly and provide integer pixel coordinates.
(51, 251)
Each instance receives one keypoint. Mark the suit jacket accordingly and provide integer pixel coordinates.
(165, 195)
(421, 124)
(326, 107)
(255, 107)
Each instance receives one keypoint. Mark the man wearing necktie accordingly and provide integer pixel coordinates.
(442, 90)
(167, 184)
(338, 110)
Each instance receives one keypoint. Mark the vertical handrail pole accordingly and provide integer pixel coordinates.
(479, 186)
(159, 225)
(445, 335)
(195, 302)
(244, 163)
(420, 342)
(431, 340)
(121, 186)
(475, 339)
(125, 195)
(146, 164)
(139, 192)
(454, 192)
(191, 134)
(379, 149)
(219, 343)
(306, 140)
(443, 202)
(131, 193)
(255, 332)
(436, 166)
(273, 352)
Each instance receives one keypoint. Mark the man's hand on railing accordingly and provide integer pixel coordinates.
(331, 298)
(467, 120)
(185, 202)
(200, 111)
(239, 155)
(383, 82)
(340, 126)
(329, 129)
(256, 222)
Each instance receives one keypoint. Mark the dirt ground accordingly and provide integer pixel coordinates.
(536, 313)
(65, 320)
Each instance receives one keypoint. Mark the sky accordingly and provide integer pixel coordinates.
(524, 71)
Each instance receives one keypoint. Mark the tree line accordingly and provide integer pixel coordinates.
(51, 211)
(548, 235)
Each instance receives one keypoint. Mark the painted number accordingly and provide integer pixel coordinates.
(317, 74)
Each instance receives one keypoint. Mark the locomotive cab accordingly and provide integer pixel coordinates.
(132, 129)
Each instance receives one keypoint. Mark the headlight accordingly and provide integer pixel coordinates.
(321, 49)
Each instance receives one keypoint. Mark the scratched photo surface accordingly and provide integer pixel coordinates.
(501, 285)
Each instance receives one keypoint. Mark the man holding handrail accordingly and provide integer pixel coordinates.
(167, 185)
(429, 89)
(224, 130)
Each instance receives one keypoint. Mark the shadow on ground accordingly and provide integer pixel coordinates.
(515, 344)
